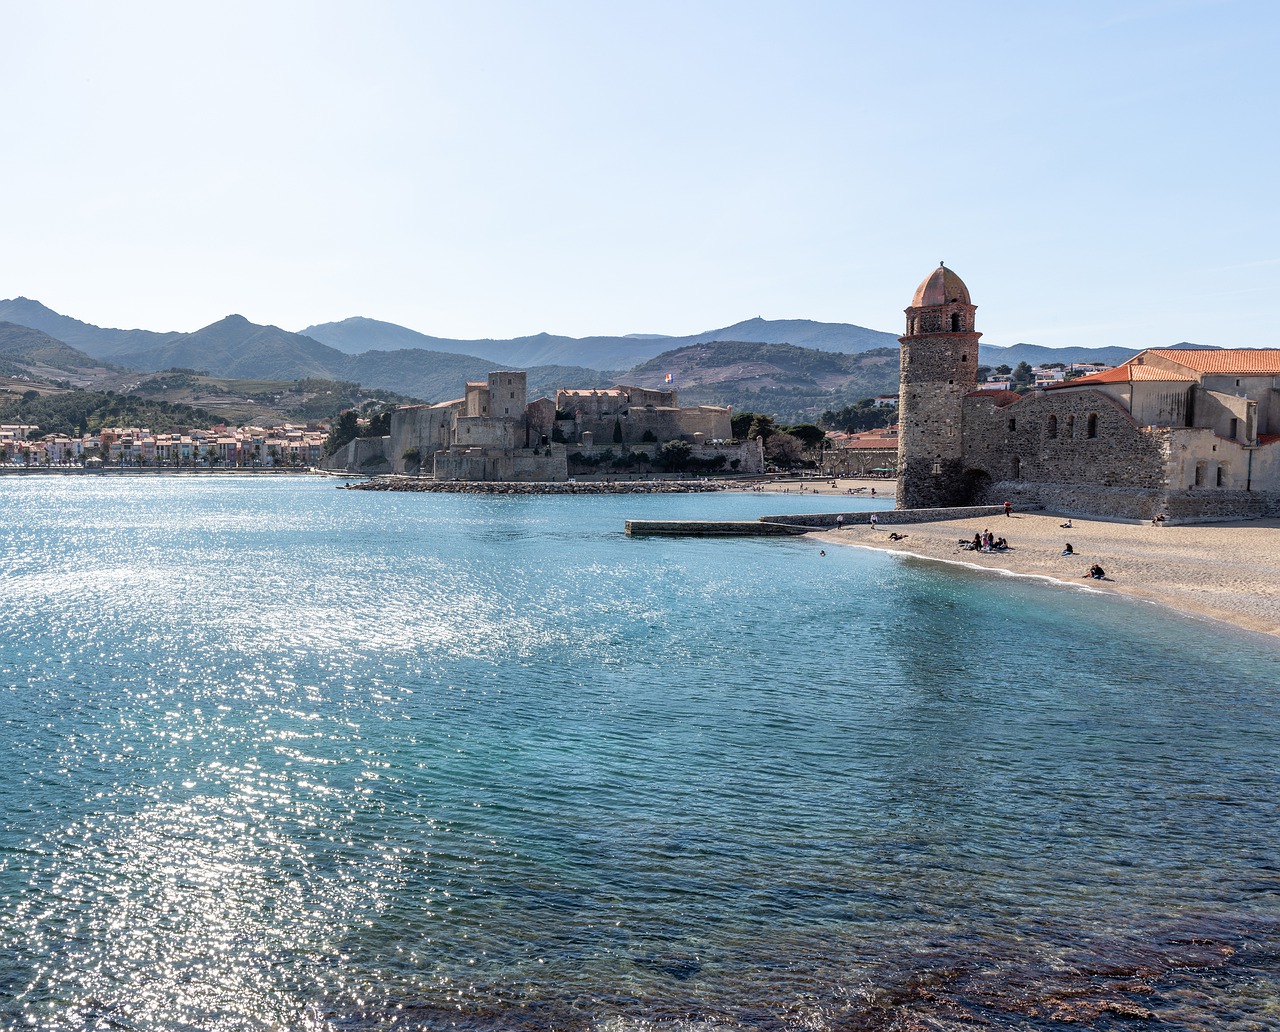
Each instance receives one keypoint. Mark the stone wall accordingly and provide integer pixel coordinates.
(363, 455)
(890, 516)
(748, 453)
(1077, 452)
(482, 464)
(424, 428)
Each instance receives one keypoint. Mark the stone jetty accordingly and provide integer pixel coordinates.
(592, 487)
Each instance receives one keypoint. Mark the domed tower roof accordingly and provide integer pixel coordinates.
(939, 288)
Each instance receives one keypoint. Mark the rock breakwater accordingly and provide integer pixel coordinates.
(603, 487)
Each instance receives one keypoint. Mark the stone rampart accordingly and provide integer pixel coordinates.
(712, 528)
(362, 455)
(827, 520)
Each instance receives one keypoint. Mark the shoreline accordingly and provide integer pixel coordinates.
(1228, 573)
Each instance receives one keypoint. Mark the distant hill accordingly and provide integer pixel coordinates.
(92, 340)
(795, 384)
(29, 352)
(360, 335)
(793, 368)
(1036, 354)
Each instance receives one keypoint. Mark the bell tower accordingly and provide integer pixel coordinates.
(939, 366)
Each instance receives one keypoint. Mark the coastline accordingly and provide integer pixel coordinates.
(1228, 572)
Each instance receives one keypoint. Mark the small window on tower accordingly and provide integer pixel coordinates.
(937, 465)
(955, 322)
(1013, 424)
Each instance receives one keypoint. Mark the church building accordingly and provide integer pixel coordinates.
(1192, 433)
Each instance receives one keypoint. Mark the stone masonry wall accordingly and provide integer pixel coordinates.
(1046, 438)
(889, 516)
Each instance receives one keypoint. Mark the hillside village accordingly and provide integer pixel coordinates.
(227, 447)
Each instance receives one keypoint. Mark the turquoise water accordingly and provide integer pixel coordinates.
(279, 756)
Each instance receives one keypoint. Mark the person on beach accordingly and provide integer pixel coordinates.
(977, 543)
(873, 521)
(1065, 526)
(1096, 572)
(895, 536)
(840, 522)
(1068, 550)
(1008, 509)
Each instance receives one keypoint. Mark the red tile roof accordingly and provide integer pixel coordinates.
(1244, 361)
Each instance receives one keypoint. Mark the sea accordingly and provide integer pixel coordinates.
(276, 755)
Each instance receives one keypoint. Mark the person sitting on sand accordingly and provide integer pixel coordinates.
(895, 536)
(1158, 519)
(1065, 526)
(1096, 572)
(977, 543)
(1068, 550)
(1000, 544)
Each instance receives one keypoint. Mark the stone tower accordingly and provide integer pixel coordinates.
(939, 363)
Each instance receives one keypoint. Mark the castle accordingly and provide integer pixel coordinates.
(1189, 433)
(493, 433)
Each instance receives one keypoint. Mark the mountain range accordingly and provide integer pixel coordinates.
(791, 368)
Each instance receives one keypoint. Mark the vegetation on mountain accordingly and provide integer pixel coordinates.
(78, 412)
(359, 336)
(853, 419)
(795, 384)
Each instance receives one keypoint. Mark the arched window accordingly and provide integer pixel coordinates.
(955, 322)
(1200, 469)
(1071, 427)
(1223, 474)
(911, 326)
(1053, 426)
(1091, 428)
(1016, 466)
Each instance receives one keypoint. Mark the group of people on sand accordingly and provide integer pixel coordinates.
(986, 542)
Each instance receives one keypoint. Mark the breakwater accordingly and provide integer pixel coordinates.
(828, 520)
(777, 526)
(712, 528)
(486, 487)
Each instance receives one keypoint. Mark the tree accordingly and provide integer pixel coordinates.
(674, 455)
(783, 450)
(1021, 375)
(807, 434)
(1004, 370)
(345, 429)
(761, 426)
(740, 423)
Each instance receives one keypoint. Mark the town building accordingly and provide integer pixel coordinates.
(1189, 433)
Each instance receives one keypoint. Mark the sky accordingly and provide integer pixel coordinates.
(1097, 173)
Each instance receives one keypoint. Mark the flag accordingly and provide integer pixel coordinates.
(670, 378)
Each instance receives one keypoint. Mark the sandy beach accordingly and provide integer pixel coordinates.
(1224, 571)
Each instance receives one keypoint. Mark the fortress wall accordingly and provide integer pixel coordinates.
(748, 454)
(490, 432)
(428, 428)
(891, 516)
(363, 455)
(518, 465)
(665, 424)
(1044, 439)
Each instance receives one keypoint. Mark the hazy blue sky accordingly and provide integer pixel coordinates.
(1099, 173)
